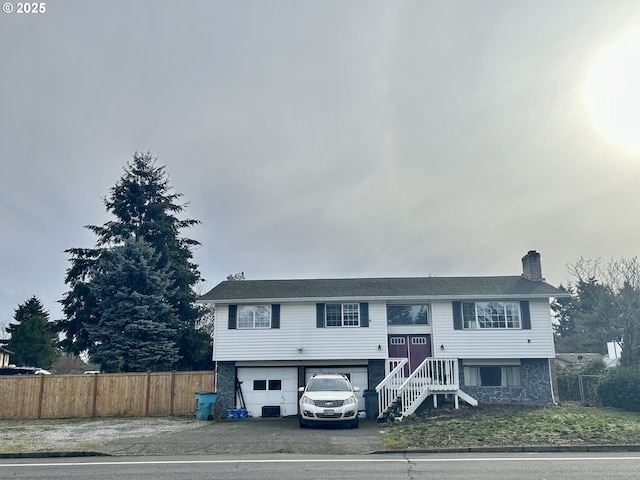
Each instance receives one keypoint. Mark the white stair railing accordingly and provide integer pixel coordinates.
(388, 389)
(433, 375)
(402, 396)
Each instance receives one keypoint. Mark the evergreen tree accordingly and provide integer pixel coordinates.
(586, 319)
(136, 330)
(33, 341)
(565, 324)
(145, 208)
(604, 306)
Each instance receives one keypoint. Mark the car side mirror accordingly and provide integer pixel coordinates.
(356, 389)
(301, 389)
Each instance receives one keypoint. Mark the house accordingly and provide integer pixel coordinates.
(479, 339)
(4, 357)
(577, 360)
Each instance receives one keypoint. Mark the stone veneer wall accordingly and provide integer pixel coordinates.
(535, 385)
(376, 373)
(225, 387)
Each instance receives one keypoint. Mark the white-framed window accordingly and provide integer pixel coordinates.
(492, 375)
(418, 340)
(254, 316)
(397, 341)
(491, 315)
(342, 315)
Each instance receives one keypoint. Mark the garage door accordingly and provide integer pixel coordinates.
(358, 375)
(269, 386)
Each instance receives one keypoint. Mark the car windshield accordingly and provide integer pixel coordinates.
(328, 385)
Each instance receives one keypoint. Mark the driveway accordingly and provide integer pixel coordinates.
(253, 436)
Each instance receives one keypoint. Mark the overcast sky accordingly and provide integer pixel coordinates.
(317, 138)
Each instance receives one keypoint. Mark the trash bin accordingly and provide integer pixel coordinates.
(371, 404)
(204, 400)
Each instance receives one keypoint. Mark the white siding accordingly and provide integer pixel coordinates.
(493, 343)
(286, 398)
(298, 331)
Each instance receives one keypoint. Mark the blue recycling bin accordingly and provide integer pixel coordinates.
(204, 400)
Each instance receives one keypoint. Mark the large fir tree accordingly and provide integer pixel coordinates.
(33, 341)
(137, 326)
(145, 208)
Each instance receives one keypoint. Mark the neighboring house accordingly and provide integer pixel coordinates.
(486, 339)
(576, 360)
(4, 357)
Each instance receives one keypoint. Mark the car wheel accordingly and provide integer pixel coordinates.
(303, 424)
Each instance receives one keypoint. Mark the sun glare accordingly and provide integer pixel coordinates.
(613, 92)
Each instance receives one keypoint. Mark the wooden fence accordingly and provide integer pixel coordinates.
(102, 394)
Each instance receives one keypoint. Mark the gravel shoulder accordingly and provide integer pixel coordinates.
(185, 436)
(79, 434)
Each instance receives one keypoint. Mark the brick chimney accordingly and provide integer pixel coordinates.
(531, 267)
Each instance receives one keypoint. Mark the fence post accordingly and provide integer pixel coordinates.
(40, 394)
(94, 400)
(173, 392)
(147, 395)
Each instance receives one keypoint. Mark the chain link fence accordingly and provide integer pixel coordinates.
(576, 387)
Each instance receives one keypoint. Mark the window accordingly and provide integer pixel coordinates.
(491, 315)
(407, 315)
(321, 384)
(262, 384)
(492, 376)
(275, 384)
(397, 341)
(342, 315)
(254, 316)
(418, 340)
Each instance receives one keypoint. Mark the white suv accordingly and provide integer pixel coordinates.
(328, 398)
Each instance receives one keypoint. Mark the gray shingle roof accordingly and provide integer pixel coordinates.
(388, 288)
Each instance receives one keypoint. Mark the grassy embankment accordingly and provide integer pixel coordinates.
(514, 426)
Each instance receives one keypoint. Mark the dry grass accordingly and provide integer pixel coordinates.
(509, 425)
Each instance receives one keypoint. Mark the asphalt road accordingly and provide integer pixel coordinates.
(290, 467)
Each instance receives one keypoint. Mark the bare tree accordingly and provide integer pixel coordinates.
(207, 321)
(233, 277)
(619, 301)
(3, 330)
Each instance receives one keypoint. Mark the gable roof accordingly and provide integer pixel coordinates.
(381, 288)
(579, 357)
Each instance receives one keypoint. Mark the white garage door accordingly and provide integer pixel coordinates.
(358, 375)
(269, 386)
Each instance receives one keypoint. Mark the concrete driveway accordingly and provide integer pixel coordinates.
(254, 436)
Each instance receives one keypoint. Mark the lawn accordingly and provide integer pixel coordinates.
(510, 425)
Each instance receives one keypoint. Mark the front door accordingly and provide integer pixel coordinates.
(413, 347)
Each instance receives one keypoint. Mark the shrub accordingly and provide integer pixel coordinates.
(620, 388)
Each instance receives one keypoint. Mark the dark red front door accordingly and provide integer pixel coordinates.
(413, 347)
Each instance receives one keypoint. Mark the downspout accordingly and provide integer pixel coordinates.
(553, 397)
